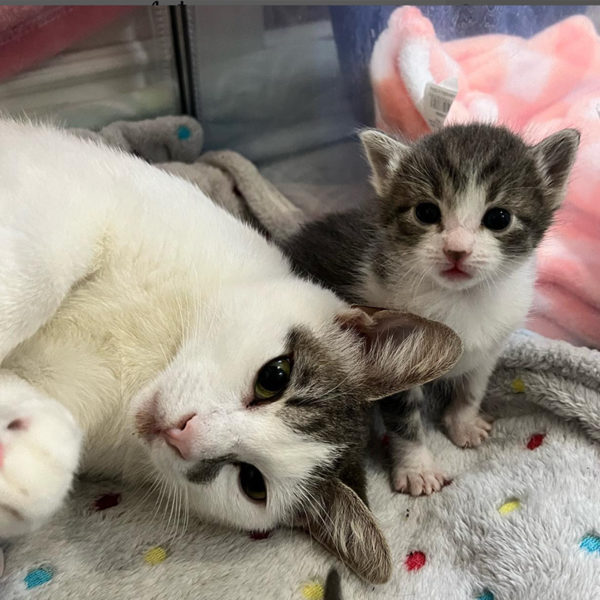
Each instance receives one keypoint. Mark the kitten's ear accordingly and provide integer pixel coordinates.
(384, 154)
(340, 521)
(555, 156)
(401, 350)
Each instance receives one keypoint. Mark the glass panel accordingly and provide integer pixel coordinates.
(269, 85)
(124, 71)
(269, 81)
(288, 86)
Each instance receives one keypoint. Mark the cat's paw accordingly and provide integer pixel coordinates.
(466, 430)
(39, 452)
(418, 483)
(415, 473)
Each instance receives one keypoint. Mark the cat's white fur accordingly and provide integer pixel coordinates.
(91, 241)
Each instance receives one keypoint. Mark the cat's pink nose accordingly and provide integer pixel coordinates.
(182, 438)
(456, 255)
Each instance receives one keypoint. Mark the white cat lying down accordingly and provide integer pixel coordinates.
(177, 340)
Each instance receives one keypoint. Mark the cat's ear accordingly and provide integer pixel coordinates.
(555, 156)
(340, 520)
(400, 350)
(384, 155)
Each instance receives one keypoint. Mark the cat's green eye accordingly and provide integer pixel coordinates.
(252, 483)
(428, 213)
(496, 219)
(272, 379)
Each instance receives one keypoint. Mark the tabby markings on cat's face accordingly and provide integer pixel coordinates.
(211, 424)
(468, 203)
(263, 421)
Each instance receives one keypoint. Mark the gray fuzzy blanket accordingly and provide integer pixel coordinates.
(520, 520)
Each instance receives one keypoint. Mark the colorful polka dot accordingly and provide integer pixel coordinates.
(38, 577)
(183, 133)
(415, 561)
(535, 441)
(155, 555)
(313, 590)
(486, 595)
(259, 535)
(509, 506)
(106, 501)
(518, 386)
(590, 543)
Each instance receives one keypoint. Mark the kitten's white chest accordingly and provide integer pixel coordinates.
(483, 321)
(482, 317)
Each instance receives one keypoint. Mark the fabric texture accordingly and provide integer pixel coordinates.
(174, 144)
(520, 519)
(535, 87)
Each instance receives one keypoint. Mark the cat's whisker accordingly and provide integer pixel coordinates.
(186, 520)
(179, 512)
(149, 478)
(161, 498)
(175, 511)
(172, 504)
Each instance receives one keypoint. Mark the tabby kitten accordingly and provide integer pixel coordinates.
(452, 238)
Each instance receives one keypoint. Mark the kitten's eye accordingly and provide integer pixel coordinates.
(272, 379)
(252, 483)
(428, 213)
(496, 219)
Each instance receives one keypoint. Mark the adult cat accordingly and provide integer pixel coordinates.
(178, 342)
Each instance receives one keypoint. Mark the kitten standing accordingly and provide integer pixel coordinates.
(452, 238)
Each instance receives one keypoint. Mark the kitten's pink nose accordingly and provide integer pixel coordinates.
(456, 255)
(457, 243)
(182, 438)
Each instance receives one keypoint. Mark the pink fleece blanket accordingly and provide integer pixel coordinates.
(534, 86)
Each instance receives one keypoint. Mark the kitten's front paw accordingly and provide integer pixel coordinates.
(466, 430)
(415, 473)
(39, 452)
(418, 483)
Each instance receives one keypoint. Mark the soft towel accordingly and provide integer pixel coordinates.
(175, 144)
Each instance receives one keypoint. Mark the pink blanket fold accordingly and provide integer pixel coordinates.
(535, 87)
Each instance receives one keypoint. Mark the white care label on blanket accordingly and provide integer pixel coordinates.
(438, 100)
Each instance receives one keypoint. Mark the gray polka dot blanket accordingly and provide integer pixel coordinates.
(520, 519)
